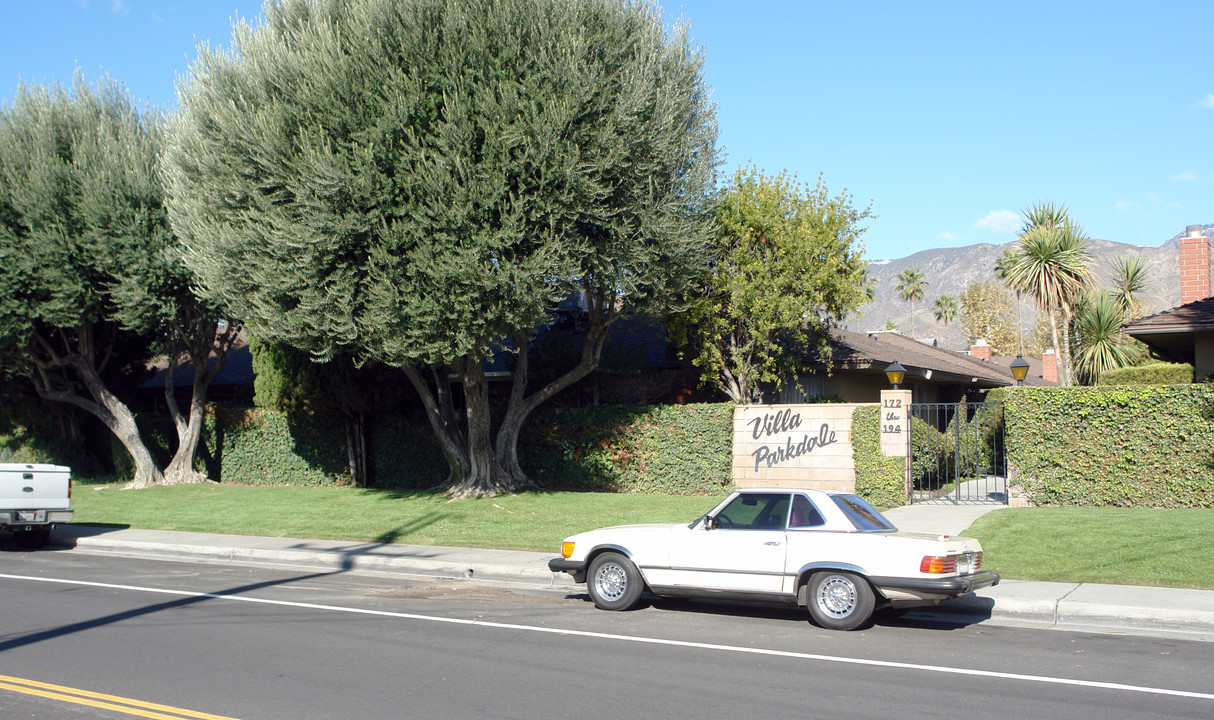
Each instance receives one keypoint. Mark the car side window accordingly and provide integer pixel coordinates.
(804, 514)
(754, 511)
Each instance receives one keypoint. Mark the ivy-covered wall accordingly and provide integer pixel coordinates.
(881, 480)
(1129, 446)
(672, 449)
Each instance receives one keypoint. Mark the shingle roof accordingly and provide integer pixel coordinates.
(1172, 334)
(866, 350)
(1197, 315)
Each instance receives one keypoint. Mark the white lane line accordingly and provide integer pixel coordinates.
(943, 669)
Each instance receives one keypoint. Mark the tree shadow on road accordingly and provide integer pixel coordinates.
(189, 598)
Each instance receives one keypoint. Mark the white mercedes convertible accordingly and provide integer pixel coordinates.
(828, 551)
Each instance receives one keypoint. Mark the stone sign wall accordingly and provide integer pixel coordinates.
(794, 446)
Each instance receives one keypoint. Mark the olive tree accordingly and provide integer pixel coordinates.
(414, 182)
(92, 286)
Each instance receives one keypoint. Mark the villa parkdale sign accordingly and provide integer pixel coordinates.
(794, 446)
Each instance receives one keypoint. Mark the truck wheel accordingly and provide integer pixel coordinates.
(840, 600)
(614, 582)
(32, 538)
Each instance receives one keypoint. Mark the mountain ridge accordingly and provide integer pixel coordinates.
(949, 271)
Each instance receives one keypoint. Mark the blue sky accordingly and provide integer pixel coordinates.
(950, 118)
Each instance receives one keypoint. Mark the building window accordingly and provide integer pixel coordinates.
(807, 388)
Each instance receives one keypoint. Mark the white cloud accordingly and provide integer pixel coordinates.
(119, 7)
(999, 221)
(1186, 176)
(1208, 102)
(946, 235)
(1124, 206)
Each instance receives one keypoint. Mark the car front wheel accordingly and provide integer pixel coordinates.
(614, 582)
(840, 600)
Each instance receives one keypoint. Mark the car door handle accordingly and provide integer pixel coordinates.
(772, 542)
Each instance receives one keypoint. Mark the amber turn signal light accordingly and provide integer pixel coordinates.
(566, 549)
(938, 565)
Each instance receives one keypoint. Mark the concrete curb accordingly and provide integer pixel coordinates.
(439, 562)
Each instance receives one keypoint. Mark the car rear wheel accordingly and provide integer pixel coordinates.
(840, 600)
(614, 582)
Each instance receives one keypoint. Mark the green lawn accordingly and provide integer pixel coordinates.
(530, 521)
(1101, 545)
(1123, 546)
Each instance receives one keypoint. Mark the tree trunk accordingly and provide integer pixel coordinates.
(1057, 354)
(441, 414)
(201, 337)
(521, 406)
(356, 448)
(189, 428)
(1066, 351)
(486, 477)
(105, 406)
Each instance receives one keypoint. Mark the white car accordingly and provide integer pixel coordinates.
(828, 551)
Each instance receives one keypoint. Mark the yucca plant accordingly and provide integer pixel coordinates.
(1099, 346)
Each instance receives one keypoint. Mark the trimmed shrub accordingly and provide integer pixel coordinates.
(1159, 373)
(672, 449)
(879, 479)
(1144, 446)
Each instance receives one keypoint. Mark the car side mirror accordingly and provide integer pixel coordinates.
(710, 522)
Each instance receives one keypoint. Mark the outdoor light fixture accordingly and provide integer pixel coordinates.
(1020, 368)
(896, 374)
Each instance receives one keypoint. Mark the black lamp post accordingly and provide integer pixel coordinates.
(1020, 368)
(896, 374)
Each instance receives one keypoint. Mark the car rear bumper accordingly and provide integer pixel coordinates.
(34, 518)
(949, 586)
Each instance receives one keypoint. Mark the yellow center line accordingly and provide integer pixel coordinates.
(127, 706)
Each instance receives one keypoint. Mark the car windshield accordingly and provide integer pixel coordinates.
(862, 515)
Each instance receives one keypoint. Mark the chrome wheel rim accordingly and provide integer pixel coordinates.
(837, 597)
(611, 581)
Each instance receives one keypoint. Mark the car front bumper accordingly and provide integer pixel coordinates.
(576, 568)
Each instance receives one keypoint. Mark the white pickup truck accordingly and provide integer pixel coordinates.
(33, 499)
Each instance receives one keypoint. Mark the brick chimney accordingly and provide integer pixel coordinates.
(1194, 265)
(1049, 366)
(980, 350)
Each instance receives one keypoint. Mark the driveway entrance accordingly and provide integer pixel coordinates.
(958, 454)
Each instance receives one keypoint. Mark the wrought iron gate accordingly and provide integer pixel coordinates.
(958, 453)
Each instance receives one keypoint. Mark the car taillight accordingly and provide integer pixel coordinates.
(975, 562)
(566, 549)
(938, 565)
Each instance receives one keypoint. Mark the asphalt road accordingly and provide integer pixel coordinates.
(78, 631)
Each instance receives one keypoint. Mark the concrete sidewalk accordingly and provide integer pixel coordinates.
(1080, 606)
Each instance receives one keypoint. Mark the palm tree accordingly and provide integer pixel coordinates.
(1098, 337)
(911, 286)
(1130, 278)
(946, 309)
(1051, 265)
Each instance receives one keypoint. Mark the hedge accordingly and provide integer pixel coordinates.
(880, 480)
(1131, 446)
(1159, 373)
(672, 449)
(669, 449)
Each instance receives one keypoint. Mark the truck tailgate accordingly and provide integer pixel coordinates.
(29, 487)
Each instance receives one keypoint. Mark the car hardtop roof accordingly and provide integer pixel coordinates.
(810, 491)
